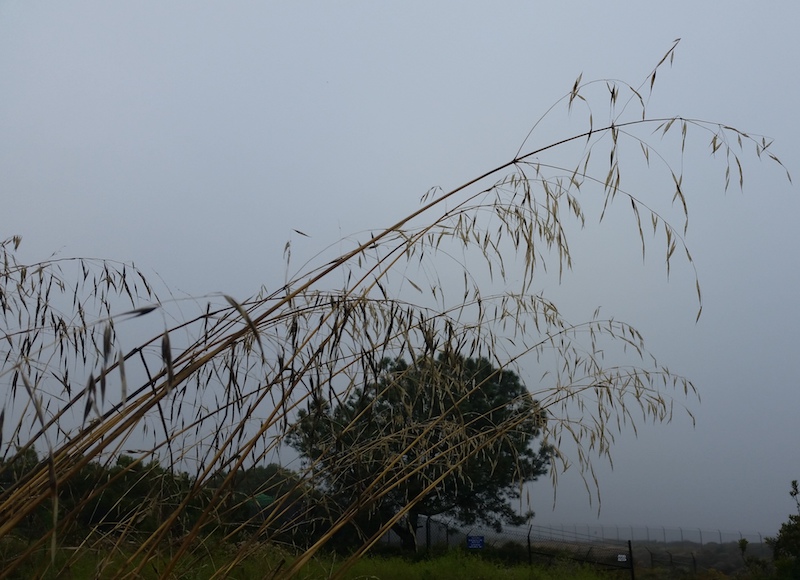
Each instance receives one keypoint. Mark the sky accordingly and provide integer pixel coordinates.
(195, 138)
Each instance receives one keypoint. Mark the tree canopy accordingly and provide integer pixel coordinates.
(430, 414)
(786, 545)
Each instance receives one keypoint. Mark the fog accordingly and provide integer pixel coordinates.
(196, 138)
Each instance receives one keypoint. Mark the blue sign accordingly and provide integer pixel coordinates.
(475, 542)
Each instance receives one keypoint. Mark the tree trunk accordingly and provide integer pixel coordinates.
(407, 531)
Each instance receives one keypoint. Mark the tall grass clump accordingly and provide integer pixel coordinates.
(135, 449)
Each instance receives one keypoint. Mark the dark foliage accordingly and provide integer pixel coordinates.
(786, 545)
(463, 431)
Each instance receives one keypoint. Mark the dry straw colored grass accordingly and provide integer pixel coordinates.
(216, 391)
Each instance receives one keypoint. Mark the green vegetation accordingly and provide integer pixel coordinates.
(270, 561)
(429, 413)
(457, 565)
(139, 457)
(786, 545)
(263, 562)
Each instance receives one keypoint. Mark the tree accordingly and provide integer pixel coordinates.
(275, 499)
(431, 414)
(786, 545)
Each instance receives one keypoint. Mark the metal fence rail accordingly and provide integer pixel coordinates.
(649, 534)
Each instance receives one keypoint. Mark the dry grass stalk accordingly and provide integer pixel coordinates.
(220, 390)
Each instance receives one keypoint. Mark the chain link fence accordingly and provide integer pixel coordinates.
(609, 547)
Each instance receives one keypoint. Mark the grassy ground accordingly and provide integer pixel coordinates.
(203, 563)
(458, 566)
(219, 561)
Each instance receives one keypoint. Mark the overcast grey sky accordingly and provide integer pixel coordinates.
(193, 137)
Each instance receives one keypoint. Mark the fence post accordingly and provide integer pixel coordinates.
(428, 534)
(630, 559)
